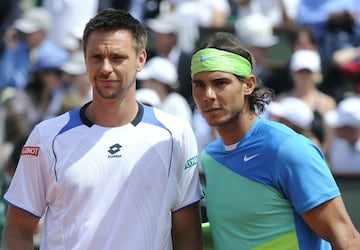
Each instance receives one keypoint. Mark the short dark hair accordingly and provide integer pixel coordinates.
(117, 19)
(229, 42)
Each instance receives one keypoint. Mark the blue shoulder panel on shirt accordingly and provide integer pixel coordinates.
(149, 117)
(73, 122)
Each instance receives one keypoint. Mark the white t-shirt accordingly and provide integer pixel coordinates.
(271, 9)
(107, 188)
(201, 11)
(177, 105)
(344, 158)
(68, 20)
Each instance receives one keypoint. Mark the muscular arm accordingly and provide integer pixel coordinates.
(19, 229)
(331, 222)
(186, 228)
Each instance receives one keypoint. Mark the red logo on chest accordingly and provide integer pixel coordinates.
(28, 150)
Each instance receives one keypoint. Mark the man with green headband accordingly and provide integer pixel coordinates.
(267, 187)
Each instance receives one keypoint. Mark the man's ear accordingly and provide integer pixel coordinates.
(249, 85)
(141, 60)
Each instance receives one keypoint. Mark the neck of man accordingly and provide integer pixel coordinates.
(112, 113)
(232, 132)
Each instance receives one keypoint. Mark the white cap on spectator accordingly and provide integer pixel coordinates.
(165, 23)
(294, 110)
(75, 65)
(255, 30)
(148, 96)
(347, 113)
(305, 59)
(160, 69)
(33, 20)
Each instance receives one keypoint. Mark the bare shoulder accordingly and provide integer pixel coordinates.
(327, 103)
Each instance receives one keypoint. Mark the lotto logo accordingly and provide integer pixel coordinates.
(28, 150)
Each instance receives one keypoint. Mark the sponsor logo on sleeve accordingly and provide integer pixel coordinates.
(30, 150)
(191, 162)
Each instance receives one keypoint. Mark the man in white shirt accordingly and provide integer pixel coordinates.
(344, 153)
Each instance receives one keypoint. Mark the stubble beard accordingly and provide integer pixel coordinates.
(233, 119)
(113, 93)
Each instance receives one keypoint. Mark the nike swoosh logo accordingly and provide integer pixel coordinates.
(203, 59)
(248, 158)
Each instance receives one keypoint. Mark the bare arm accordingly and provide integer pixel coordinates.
(19, 229)
(343, 56)
(331, 222)
(186, 228)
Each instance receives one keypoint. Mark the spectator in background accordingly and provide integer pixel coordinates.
(316, 13)
(140, 9)
(342, 32)
(344, 152)
(280, 13)
(305, 69)
(165, 41)
(336, 26)
(49, 87)
(302, 38)
(204, 134)
(280, 79)
(26, 42)
(347, 61)
(296, 114)
(42, 96)
(203, 13)
(160, 75)
(15, 127)
(75, 76)
(7, 172)
(256, 33)
(198, 14)
(9, 11)
(148, 97)
(68, 20)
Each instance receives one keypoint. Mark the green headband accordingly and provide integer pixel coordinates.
(211, 59)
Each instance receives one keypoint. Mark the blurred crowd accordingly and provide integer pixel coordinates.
(316, 83)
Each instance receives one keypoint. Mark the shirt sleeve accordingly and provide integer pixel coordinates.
(303, 174)
(186, 162)
(27, 188)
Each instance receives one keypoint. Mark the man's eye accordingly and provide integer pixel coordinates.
(96, 57)
(199, 85)
(220, 83)
(117, 58)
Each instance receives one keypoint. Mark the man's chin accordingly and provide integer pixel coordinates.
(213, 122)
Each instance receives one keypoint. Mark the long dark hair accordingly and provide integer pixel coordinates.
(261, 95)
